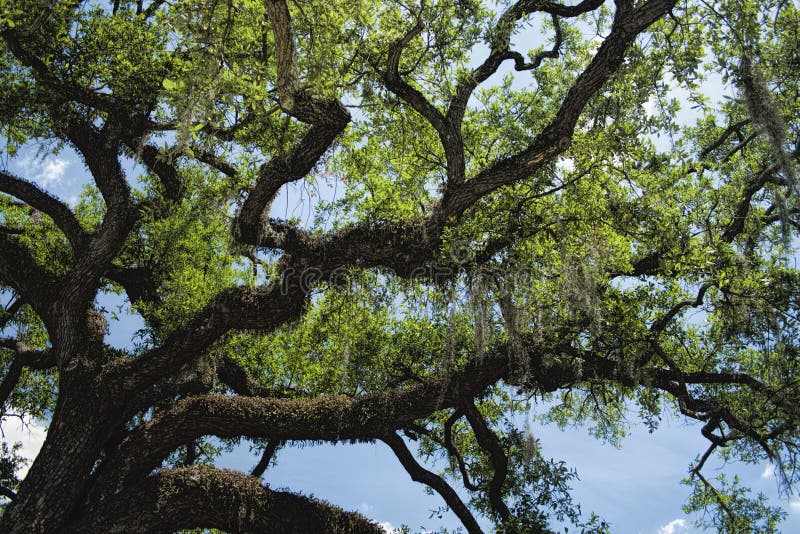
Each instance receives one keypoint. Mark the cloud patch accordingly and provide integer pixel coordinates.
(673, 527)
(46, 172)
(31, 436)
(794, 505)
(769, 472)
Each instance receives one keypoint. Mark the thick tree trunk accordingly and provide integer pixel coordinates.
(58, 477)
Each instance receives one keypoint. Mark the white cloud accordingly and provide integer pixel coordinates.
(794, 504)
(673, 527)
(365, 508)
(769, 472)
(31, 436)
(566, 164)
(46, 172)
(387, 527)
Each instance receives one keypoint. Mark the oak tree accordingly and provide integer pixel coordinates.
(513, 217)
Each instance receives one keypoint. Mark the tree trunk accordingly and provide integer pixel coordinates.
(58, 477)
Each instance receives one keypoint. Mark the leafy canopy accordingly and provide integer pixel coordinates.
(557, 214)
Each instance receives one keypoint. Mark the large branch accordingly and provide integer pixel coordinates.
(411, 95)
(501, 43)
(155, 161)
(9, 313)
(24, 356)
(240, 308)
(556, 137)
(38, 199)
(327, 117)
(367, 417)
(19, 270)
(323, 418)
(201, 497)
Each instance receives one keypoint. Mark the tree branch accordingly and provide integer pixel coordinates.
(556, 137)
(453, 451)
(395, 83)
(501, 42)
(323, 418)
(24, 356)
(266, 457)
(201, 497)
(328, 119)
(47, 204)
(488, 442)
(10, 312)
(433, 481)
(240, 308)
(20, 271)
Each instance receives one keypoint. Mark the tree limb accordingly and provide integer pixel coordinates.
(266, 457)
(488, 442)
(433, 481)
(40, 200)
(201, 497)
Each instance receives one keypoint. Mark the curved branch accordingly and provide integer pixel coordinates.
(19, 270)
(241, 308)
(449, 131)
(453, 451)
(10, 312)
(501, 41)
(556, 137)
(9, 382)
(266, 457)
(322, 418)
(32, 195)
(433, 481)
(395, 83)
(488, 442)
(328, 118)
(24, 356)
(201, 497)
(155, 161)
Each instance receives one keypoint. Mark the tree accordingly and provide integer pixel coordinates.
(557, 240)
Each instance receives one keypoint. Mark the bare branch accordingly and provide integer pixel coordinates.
(266, 457)
(433, 481)
(497, 456)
